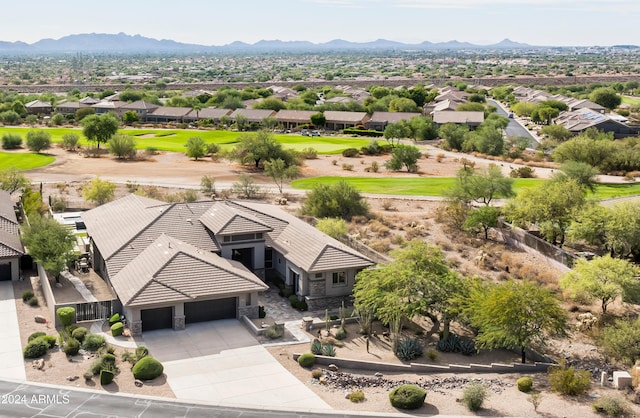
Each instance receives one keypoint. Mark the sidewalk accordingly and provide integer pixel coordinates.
(11, 361)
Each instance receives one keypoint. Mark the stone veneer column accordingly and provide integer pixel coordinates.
(136, 328)
(178, 316)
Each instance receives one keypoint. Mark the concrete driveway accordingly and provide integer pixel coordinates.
(222, 362)
(11, 361)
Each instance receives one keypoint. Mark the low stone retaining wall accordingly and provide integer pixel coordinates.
(430, 368)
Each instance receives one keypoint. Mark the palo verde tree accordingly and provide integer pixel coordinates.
(604, 279)
(196, 147)
(279, 172)
(100, 128)
(339, 200)
(256, 148)
(418, 282)
(512, 314)
(12, 180)
(49, 243)
(404, 156)
(481, 186)
(99, 191)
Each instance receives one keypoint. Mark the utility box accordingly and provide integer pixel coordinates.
(621, 380)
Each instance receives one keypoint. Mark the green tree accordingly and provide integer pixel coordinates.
(585, 149)
(481, 186)
(513, 314)
(483, 218)
(582, 173)
(550, 206)
(423, 129)
(270, 103)
(99, 191)
(246, 187)
(259, 147)
(622, 340)
(394, 132)
(130, 117)
(100, 129)
(208, 185)
(404, 156)
(334, 227)
(12, 180)
(403, 104)
(453, 135)
(83, 112)
(18, 107)
(122, 146)
(279, 171)
(196, 147)
(9, 117)
(70, 141)
(417, 281)
(318, 119)
(606, 97)
(38, 140)
(241, 121)
(604, 279)
(557, 132)
(339, 200)
(49, 243)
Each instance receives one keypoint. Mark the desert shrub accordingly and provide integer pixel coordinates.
(36, 348)
(129, 357)
(306, 360)
(274, 331)
(105, 362)
(50, 340)
(93, 342)
(316, 347)
(309, 153)
(106, 377)
(69, 141)
(33, 301)
(569, 381)
(11, 141)
(350, 152)
(79, 333)
(409, 349)
(316, 373)
(357, 396)
(523, 173)
(621, 340)
(111, 349)
(473, 396)
(347, 167)
(455, 344)
(341, 333)
(328, 350)
(147, 368)
(71, 347)
(611, 406)
(27, 294)
(67, 315)
(117, 329)
(114, 318)
(87, 375)
(36, 335)
(407, 397)
(524, 384)
(432, 354)
(141, 352)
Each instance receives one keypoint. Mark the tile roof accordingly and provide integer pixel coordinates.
(332, 116)
(442, 117)
(170, 111)
(253, 115)
(225, 220)
(169, 270)
(392, 117)
(10, 242)
(295, 115)
(139, 105)
(209, 113)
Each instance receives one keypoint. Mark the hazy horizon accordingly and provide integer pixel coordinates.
(482, 22)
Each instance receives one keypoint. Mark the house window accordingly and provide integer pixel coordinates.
(318, 275)
(268, 258)
(340, 278)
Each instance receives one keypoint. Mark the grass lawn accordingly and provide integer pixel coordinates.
(174, 139)
(435, 186)
(634, 101)
(22, 161)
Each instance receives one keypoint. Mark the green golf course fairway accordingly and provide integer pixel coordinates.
(24, 161)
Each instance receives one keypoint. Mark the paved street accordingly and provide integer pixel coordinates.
(30, 400)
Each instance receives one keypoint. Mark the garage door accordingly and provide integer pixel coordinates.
(209, 310)
(157, 318)
(5, 272)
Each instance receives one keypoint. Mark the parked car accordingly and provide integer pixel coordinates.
(305, 132)
(315, 133)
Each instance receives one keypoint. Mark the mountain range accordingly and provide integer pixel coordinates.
(123, 43)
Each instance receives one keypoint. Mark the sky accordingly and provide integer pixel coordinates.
(536, 22)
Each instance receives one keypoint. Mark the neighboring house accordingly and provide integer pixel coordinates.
(141, 108)
(70, 108)
(253, 115)
(380, 120)
(38, 107)
(580, 120)
(211, 113)
(337, 120)
(291, 119)
(166, 114)
(173, 264)
(106, 106)
(443, 106)
(283, 93)
(471, 119)
(11, 248)
(577, 104)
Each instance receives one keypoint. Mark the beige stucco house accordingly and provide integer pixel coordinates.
(11, 248)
